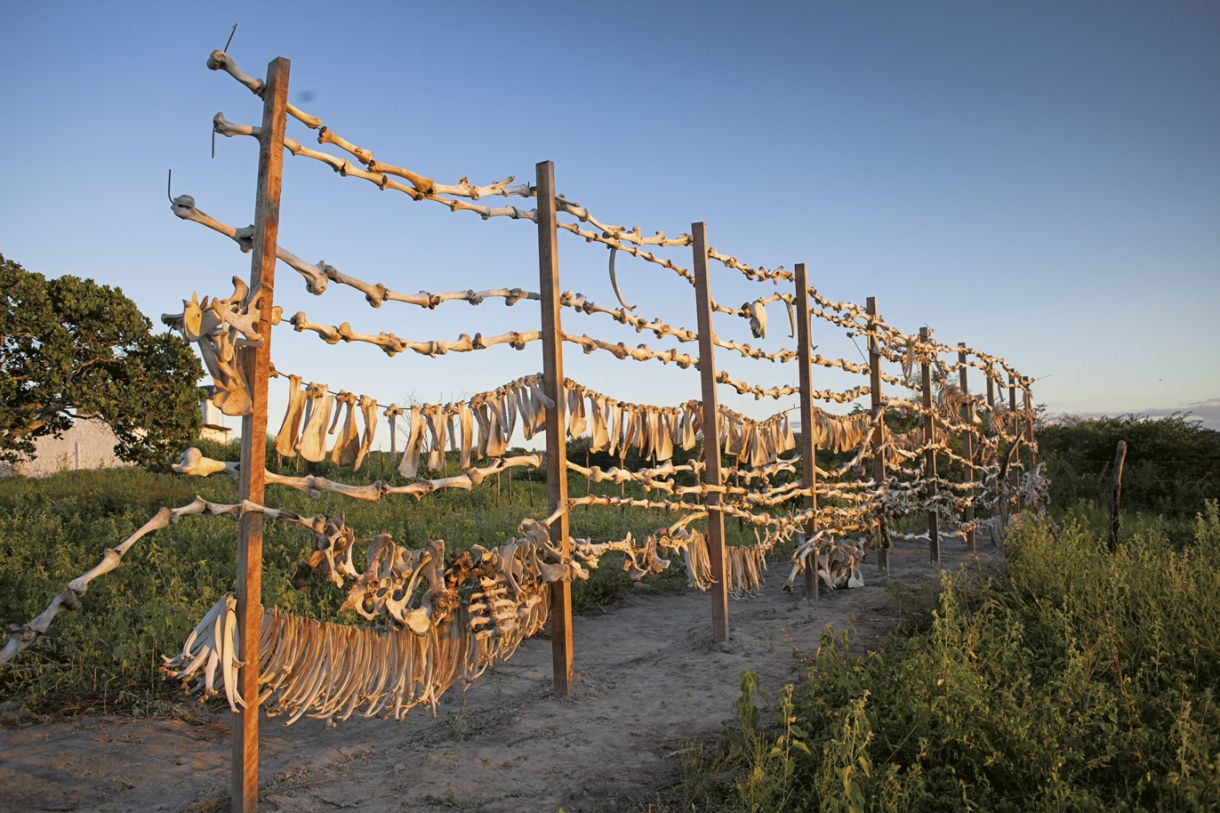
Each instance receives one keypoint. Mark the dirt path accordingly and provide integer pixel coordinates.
(650, 679)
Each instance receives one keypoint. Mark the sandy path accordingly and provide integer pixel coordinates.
(650, 680)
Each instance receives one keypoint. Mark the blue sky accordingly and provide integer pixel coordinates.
(1040, 180)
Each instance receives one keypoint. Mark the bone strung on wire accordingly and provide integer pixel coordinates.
(391, 345)
(21, 637)
(639, 353)
(759, 392)
(193, 463)
(318, 275)
(836, 561)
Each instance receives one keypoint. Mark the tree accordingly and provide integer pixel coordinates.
(71, 348)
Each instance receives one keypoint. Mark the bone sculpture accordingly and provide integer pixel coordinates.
(617, 238)
(329, 670)
(220, 328)
(837, 562)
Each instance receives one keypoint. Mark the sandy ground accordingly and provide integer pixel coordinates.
(650, 680)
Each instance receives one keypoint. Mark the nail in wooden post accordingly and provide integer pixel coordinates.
(929, 437)
(874, 386)
(809, 468)
(967, 443)
(711, 437)
(1014, 475)
(254, 436)
(556, 445)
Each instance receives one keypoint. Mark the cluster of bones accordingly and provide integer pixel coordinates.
(424, 619)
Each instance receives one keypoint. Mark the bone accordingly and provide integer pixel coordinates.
(312, 444)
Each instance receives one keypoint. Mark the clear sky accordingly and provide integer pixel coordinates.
(1040, 180)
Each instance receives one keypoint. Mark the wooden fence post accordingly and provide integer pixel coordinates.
(929, 454)
(711, 437)
(809, 469)
(1031, 415)
(1116, 491)
(967, 444)
(874, 386)
(1014, 476)
(556, 444)
(995, 436)
(257, 359)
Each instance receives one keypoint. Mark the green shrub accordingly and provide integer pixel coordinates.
(1080, 679)
(1172, 466)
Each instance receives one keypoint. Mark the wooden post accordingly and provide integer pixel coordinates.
(1116, 491)
(1014, 476)
(874, 386)
(1031, 415)
(967, 444)
(809, 468)
(254, 436)
(929, 455)
(995, 436)
(711, 437)
(556, 445)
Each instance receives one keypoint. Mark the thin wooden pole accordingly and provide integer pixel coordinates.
(556, 445)
(967, 443)
(929, 455)
(809, 469)
(711, 437)
(874, 386)
(1031, 415)
(1116, 491)
(995, 436)
(254, 436)
(1014, 476)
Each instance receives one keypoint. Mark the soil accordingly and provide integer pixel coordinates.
(650, 682)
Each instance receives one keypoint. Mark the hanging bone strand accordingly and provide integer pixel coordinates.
(20, 637)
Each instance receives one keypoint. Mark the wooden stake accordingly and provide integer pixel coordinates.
(967, 444)
(1031, 415)
(995, 433)
(711, 437)
(254, 436)
(556, 445)
(874, 386)
(1116, 491)
(929, 455)
(809, 469)
(1014, 476)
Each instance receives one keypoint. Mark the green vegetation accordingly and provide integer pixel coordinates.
(70, 347)
(1079, 680)
(1173, 464)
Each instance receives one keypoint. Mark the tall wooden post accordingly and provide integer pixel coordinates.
(254, 436)
(1000, 458)
(1014, 475)
(967, 443)
(809, 469)
(1031, 415)
(929, 454)
(711, 437)
(874, 386)
(556, 445)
